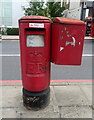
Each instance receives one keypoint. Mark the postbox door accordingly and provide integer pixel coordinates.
(35, 57)
(67, 44)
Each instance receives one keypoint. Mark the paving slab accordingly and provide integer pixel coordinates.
(81, 83)
(11, 96)
(0, 113)
(65, 102)
(10, 37)
(0, 102)
(87, 90)
(13, 105)
(76, 112)
(10, 113)
(93, 114)
(0, 96)
(89, 38)
(70, 96)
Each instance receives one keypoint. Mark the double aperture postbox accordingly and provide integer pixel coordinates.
(42, 42)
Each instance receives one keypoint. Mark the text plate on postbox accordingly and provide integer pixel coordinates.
(36, 25)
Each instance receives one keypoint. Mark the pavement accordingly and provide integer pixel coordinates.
(67, 100)
(16, 37)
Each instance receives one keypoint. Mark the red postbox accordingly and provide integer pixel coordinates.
(67, 41)
(35, 43)
(35, 60)
(88, 25)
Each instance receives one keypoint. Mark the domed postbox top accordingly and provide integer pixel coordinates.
(68, 20)
(36, 18)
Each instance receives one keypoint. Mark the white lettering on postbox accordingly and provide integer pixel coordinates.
(36, 25)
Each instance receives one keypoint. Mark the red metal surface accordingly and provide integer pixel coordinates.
(35, 61)
(68, 21)
(35, 19)
(67, 41)
(92, 30)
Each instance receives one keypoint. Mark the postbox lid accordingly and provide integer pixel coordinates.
(67, 20)
(40, 18)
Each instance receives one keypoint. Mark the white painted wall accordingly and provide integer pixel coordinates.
(74, 13)
(17, 11)
(74, 4)
(74, 10)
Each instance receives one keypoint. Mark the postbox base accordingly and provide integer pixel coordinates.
(36, 100)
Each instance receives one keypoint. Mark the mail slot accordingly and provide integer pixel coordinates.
(67, 41)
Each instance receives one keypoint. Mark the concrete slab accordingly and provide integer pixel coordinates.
(0, 102)
(10, 113)
(0, 114)
(10, 37)
(81, 83)
(70, 96)
(76, 112)
(0, 96)
(89, 38)
(11, 96)
(65, 102)
(13, 105)
(93, 114)
(87, 90)
(48, 112)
